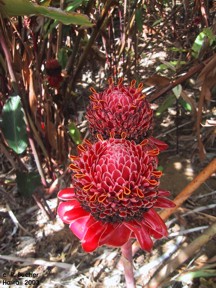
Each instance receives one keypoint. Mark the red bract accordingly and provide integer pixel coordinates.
(120, 110)
(115, 192)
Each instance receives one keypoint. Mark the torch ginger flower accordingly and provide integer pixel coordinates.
(120, 109)
(114, 195)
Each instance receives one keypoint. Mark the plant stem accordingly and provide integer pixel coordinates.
(127, 260)
(190, 188)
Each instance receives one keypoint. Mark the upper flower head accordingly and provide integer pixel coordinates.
(120, 109)
(115, 190)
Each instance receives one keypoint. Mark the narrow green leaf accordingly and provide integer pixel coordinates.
(185, 105)
(27, 182)
(139, 21)
(13, 125)
(168, 102)
(73, 5)
(74, 133)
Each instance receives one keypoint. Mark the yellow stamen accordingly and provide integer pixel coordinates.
(91, 97)
(87, 187)
(144, 142)
(120, 81)
(157, 174)
(133, 83)
(123, 135)
(141, 97)
(102, 198)
(110, 81)
(93, 90)
(93, 198)
(79, 176)
(121, 195)
(152, 182)
(133, 106)
(73, 167)
(140, 86)
(127, 191)
(100, 137)
(153, 152)
(87, 142)
(139, 193)
(81, 148)
(73, 157)
(112, 134)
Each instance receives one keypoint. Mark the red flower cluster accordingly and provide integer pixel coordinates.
(120, 109)
(115, 191)
(116, 181)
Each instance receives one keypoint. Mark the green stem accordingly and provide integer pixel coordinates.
(127, 260)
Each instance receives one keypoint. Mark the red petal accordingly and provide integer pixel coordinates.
(163, 193)
(160, 144)
(92, 236)
(163, 203)
(74, 214)
(78, 226)
(142, 235)
(66, 194)
(68, 207)
(152, 220)
(115, 235)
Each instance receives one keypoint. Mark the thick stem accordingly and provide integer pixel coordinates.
(190, 188)
(127, 260)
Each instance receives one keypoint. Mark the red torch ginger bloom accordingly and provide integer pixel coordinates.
(120, 109)
(53, 70)
(115, 190)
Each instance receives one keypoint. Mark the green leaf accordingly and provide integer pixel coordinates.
(168, 102)
(199, 41)
(13, 125)
(185, 105)
(197, 274)
(63, 56)
(74, 133)
(157, 22)
(177, 90)
(139, 21)
(25, 7)
(73, 5)
(172, 65)
(27, 182)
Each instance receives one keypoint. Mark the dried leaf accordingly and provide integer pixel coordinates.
(158, 81)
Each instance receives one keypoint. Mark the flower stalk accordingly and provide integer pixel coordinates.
(127, 259)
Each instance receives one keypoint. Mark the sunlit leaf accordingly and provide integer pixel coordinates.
(177, 90)
(185, 105)
(25, 7)
(74, 133)
(13, 125)
(199, 41)
(74, 4)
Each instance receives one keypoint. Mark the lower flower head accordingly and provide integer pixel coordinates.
(115, 188)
